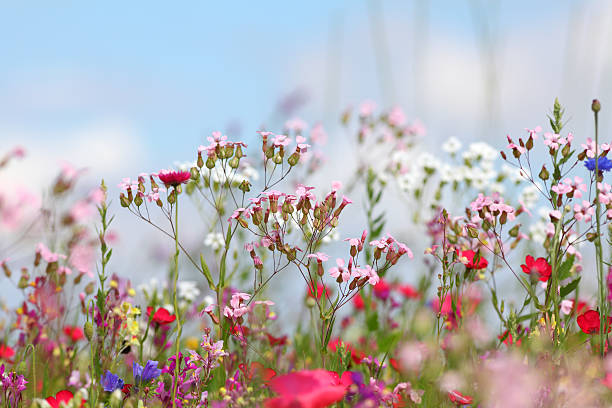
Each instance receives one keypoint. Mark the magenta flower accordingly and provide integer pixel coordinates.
(173, 178)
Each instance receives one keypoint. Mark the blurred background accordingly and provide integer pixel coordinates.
(130, 87)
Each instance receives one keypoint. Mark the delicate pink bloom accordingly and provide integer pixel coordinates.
(320, 257)
(336, 185)
(296, 125)
(340, 270)
(566, 306)
(553, 140)
(366, 108)
(47, 255)
(281, 141)
(397, 117)
(584, 211)
(318, 135)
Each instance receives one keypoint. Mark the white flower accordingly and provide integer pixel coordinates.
(188, 290)
(537, 231)
(214, 240)
(452, 145)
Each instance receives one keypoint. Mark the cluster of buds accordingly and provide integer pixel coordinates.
(490, 210)
(271, 213)
(393, 249)
(273, 147)
(220, 149)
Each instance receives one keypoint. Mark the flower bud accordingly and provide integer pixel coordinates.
(544, 173)
(124, 200)
(234, 162)
(503, 155)
(245, 186)
(596, 105)
(529, 144)
(210, 163)
(200, 161)
(293, 159)
(88, 330)
(566, 150)
(138, 199)
(278, 158)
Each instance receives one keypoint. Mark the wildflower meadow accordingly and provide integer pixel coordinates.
(349, 255)
(496, 318)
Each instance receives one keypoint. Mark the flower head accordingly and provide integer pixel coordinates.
(539, 266)
(161, 316)
(143, 375)
(590, 323)
(111, 382)
(603, 164)
(173, 178)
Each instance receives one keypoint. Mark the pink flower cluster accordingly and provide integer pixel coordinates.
(489, 208)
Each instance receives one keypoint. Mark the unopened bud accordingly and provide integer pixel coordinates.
(124, 200)
(596, 105)
(293, 159)
(503, 155)
(234, 162)
(210, 163)
(544, 173)
(529, 144)
(88, 329)
(200, 161)
(138, 200)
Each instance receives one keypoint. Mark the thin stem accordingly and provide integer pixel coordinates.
(175, 300)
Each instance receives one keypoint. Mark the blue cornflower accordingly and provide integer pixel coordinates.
(603, 163)
(111, 382)
(145, 374)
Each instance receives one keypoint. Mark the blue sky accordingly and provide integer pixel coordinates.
(127, 87)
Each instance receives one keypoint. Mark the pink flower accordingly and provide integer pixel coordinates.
(318, 135)
(340, 270)
(47, 255)
(366, 108)
(320, 257)
(553, 140)
(173, 178)
(397, 117)
(584, 212)
(305, 389)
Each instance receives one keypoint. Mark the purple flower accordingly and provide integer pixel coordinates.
(143, 375)
(111, 382)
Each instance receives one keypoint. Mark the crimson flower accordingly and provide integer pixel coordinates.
(459, 399)
(274, 341)
(358, 302)
(6, 352)
(409, 291)
(382, 289)
(75, 333)
(174, 178)
(64, 396)
(161, 316)
(589, 322)
(539, 266)
(474, 259)
(307, 389)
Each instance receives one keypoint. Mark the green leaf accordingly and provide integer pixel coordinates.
(570, 287)
(565, 268)
(206, 273)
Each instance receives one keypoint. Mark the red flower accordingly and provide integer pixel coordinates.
(127, 389)
(320, 290)
(174, 178)
(395, 364)
(161, 316)
(358, 302)
(539, 266)
(276, 341)
(409, 291)
(307, 389)
(475, 260)
(589, 322)
(459, 399)
(64, 396)
(382, 289)
(258, 371)
(6, 352)
(75, 333)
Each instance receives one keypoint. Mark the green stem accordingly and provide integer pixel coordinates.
(179, 327)
(603, 321)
